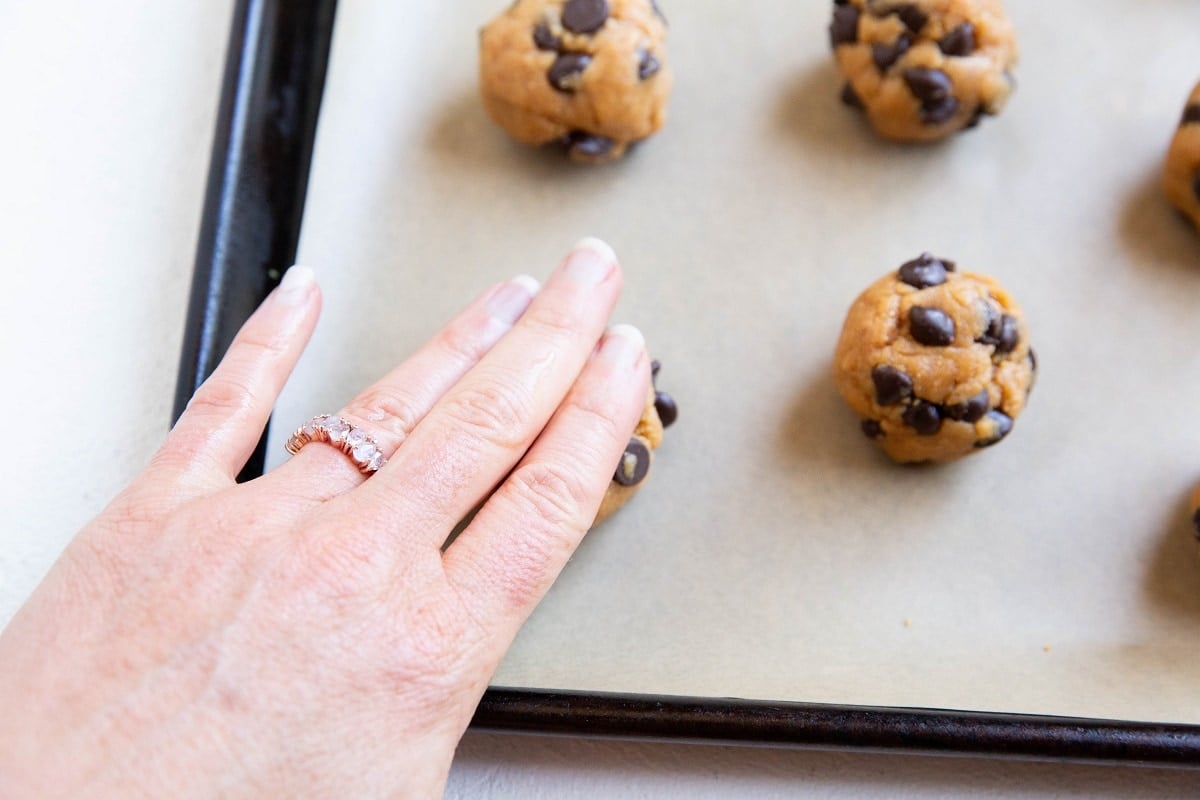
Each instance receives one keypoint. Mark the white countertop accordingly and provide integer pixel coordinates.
(103, 156)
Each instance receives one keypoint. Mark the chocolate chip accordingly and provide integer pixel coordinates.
(668, 412)
(924, 418)
(942, 111)
(924, 271)
(589, 145)
(1032, 360)
(885, 55)
(959, 42)
(913, 18)
(1004, 426)
(976, 117)
(892, 386)
(648, 65)
(1196, 186)
(931, 327)
(1196, 522)
(972, 410)
(851, 98)
(566, 73)
(1002, 331)
(844, 27)
(545, 39)
(635, 463)
(934, 89)
(872, 429)
(584, 16)
(1191, 115)
(1010, 335)
(655, 366)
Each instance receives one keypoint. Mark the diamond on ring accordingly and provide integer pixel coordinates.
(354, 442)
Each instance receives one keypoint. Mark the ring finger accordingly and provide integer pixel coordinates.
(482, 427)
(390, 409)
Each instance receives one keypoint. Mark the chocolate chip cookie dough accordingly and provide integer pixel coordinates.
(1181, 180)
(924, 69)
(590, 75)
(1194, 510)
(936, 363)
(660, 412)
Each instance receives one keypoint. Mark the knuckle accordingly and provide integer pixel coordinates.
(254, 347)
(399, 411)
(183, 448)
(232, 386)
(494, 412)
(554, 322)
(551, 526)
(219, 396)
(555, 494)
(590, 413)
(548, 505)
(186, 452)
(464, 342)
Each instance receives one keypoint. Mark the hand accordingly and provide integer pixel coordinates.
(304, 634)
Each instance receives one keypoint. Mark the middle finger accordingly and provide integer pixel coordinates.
(392, 407)
(480, 429)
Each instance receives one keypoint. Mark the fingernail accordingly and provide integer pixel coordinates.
(623, 344)
(296, 284)
(590, 261)
(510, 300)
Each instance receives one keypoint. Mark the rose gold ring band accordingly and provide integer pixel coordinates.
(354, 442)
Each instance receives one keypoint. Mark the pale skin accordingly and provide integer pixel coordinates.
(305, 634)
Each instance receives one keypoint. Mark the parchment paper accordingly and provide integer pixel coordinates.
(774, 553)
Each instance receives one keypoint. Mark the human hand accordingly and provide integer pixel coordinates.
(304, 634)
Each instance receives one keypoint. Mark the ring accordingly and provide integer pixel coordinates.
(354, 442)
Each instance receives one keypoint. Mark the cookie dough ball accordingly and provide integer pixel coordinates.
(1181, 181)
(936, 363)
(924, 69)
(590, 75)
(1195, 512)
(660, 412)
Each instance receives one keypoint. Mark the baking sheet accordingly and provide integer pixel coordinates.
(775, 554)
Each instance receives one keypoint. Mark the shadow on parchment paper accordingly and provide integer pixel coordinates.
(1173, 576)
(810, 111)
(463, 137)
(820, 431)
(821, 446)
(1155, 232)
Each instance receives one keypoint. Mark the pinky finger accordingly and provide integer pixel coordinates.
(223, 421)
(510, 554)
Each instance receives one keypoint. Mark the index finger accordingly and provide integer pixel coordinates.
(479, 430)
